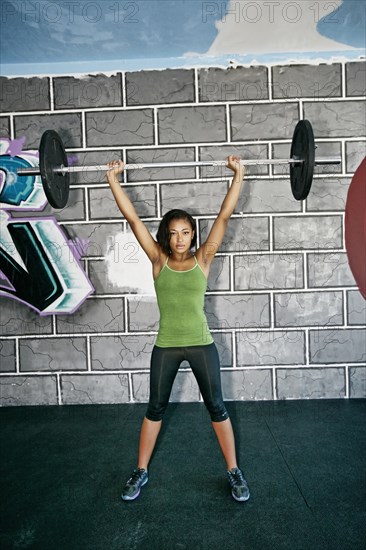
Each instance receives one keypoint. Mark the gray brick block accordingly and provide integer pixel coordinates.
(133, 351)
(274, 195)
(357, 382)
(185, 388)
(258, 196)
(355, 153)
(94, 315)
(240, 84)
(24, 94)
(94, 239)
(93, 91)
(179, 154)
(328, 149)
(314, 81)
(356, 308)
(192, 124)
(247, 385)
(233, 311)
(356, 79)
(196, 198)
(92, 389)
(74, 210)
(153, 87)
(68, 125)
(336, 118)
(328, 194)
(329, 270)
(151, 226)
(324, 149)
(245, 152)
(272, 121)
(110, 128)
(338, 346)
(28, 390)
(53, 354)
(309, 308)
(268, 271)
(313, 383)
(281, 151)
(128, 352)
(219, 277)
(223, 341)
(140, 387)
(103, 206)
(92, 158)
(7, 356)
(242, 234)
(270, 348)
(143, 315)
(5, 127)
(17, 319)
(307, 232)
(99, 278)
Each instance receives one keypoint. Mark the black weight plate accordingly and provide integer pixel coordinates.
(52, 155)
(302, 147)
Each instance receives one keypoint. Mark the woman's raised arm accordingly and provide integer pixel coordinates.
(126, 207)
(208, 249)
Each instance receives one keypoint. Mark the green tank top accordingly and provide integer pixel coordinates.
(181, 296)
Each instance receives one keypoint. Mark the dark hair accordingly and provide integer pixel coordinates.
(163, 234)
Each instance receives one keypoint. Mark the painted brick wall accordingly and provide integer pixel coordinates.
(282, 303)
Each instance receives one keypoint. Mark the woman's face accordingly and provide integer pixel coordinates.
(181, 235)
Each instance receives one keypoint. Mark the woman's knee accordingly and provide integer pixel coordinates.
(155, 412)
(217, 411)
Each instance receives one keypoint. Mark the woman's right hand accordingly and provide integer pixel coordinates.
(116, 168)
(235, 165)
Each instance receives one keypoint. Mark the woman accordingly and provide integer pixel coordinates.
(180, 278)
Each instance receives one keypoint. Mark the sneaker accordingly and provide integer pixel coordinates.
(133, 486)
(239, 487)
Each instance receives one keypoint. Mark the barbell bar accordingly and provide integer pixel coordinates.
(180, 164)
(54, 169)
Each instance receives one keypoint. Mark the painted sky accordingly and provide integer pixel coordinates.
(62, 36)
(346, 24)
(107, 29)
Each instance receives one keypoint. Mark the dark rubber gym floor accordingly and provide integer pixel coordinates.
(62, 470)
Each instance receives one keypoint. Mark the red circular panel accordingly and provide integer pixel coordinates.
(355, 227)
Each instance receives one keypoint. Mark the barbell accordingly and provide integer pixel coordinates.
(55, 172)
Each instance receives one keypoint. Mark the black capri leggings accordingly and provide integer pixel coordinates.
(204, 362)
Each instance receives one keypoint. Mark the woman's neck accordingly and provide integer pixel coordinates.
(180, 258)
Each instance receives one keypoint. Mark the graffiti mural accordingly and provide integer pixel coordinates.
(19, 193)
(40, 265)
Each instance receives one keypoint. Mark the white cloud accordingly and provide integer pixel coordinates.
(272, 27)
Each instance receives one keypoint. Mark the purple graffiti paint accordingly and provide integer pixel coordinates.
(16, 146)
